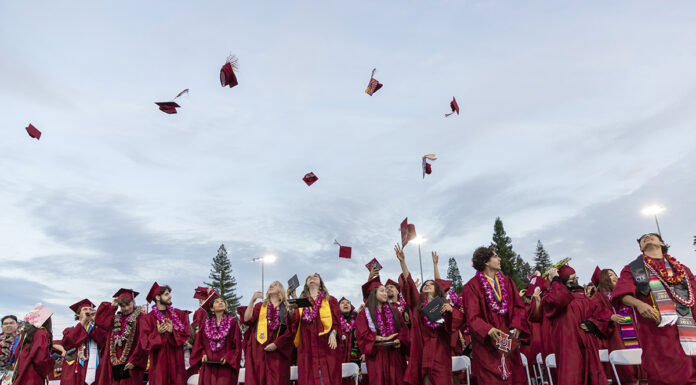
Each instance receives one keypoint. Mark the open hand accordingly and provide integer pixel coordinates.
(332, 341)
(553, 273)
(648, 312)
(399, 253)
(257, 295)
(436, 257)
(495, 334)
(446, 308)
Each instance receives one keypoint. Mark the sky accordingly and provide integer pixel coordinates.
(574, 116)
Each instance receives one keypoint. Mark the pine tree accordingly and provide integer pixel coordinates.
(542, 260)
(511, 263)
(454, 276)
(223, 281)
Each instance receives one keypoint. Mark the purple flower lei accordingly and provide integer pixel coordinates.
(217, 334)
(176, 322)
(309, 314)
(455, 299)
(432, 325)
(402, 304)
(347, 326)
(273, 317)
(502, 307)
(385, 328)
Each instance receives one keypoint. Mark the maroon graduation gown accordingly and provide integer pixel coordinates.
(314, 354)
(577, 351)
(34, 363)
(76, 337)
(663, 358)
(533, 347)
(166, 350)
(487, 364)
(385, 365)
(231, 352)
(137, 356)
(268, 368)
(431, 349)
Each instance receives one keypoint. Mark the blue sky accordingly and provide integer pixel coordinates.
(574, 116)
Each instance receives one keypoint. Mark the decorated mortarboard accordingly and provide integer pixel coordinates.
(227, 75)
(310, 178)
(154, 292)
(395, 284)
(209, 300)
(373, 86)
(125, 293)
(408, 232)
(38, 315)
(370, 285)
(506, 343)
(373, 264)
(454, 106)
(200, 292)
(170, 107)
(343, 251)
(427, 169)
(80, 304)
(33, 132)
(595, 276)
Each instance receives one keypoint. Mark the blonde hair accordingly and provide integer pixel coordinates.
(281, 293)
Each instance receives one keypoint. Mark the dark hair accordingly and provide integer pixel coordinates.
(371, 304)
(438, 292)
(605, 280)
(481, 256)
(9, 316)
(164, 288)
(665, 248)
(30, 329)
(211, 313)
(124, 301)
(322, 287)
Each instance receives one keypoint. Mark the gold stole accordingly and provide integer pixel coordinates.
(324, 315)
(262, 326)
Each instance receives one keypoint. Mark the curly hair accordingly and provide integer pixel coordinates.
(481, 256)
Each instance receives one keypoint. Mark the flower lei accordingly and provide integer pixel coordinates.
(127, 335)
(5, 345)
(347, 326)
(455, 299)
(273, 317)
(432, 325)
(217, 334)
(667, 280)
(401, 304)
(176, 322)
(498, 307)
(385, 320)
(309, 314)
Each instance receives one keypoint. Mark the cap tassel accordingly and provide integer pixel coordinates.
(234, 62)
(181, 93)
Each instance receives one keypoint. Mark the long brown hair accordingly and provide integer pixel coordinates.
(438, 292)
(322, 287)
(605, 280)
(30, 329)
(372, 305)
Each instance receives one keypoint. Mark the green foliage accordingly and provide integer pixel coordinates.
(222, 279)
(454, 275)
(512, 264)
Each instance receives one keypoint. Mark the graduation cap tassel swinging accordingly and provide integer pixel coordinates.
(374, 85)
(170, 107)
(427, 169)
(227, 75)
(454, 106)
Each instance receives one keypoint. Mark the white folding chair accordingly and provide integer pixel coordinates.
(540, 362)
(363, 368)
(460, 363)
(604, 355)
(526, 367)
(293, 373)
(240, 378)
(193, 380)
(351, 369)
(624, 357)
(550, 363)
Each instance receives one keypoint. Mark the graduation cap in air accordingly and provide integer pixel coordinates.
(126, 293)
(227, 75)
(310, 178)
(373, 264)
(200, 292)
(33, 132)
(427, 168)
(80, 304)
(408, 232)
(170, 107)
(343, 251)
(209, 300)
(595, 276)
(454, 106)
(38, 315)
(373, 86)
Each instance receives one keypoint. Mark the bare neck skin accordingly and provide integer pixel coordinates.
(653, 251)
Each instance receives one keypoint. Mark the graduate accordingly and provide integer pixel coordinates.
(531, 296)
(662, 291)
(84, 343)
(218, 344)
(396, 299)
(164, 332)
(316, 331)
(382, 336)
(33, 362)
(9, 340)
(123, 360)
(569, 310)
(430, 357)
(492, 305)
(268, 351)
(348, 344)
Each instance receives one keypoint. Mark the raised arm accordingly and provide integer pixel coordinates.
(436, 258)
(250, 309)
(402, 260)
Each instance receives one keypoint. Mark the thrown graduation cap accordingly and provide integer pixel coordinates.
(343, 251)
(227, 75)
(454, 106)
(33, 132)
(170, 107)
(373, 264)
(373, 86)
(310, 178)
(408, 232)
(427, 169)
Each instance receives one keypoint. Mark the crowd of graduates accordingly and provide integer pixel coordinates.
(405, 332)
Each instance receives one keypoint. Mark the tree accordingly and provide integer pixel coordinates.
(512, 264)
(542, 260)
(223, 281)
(454, 276)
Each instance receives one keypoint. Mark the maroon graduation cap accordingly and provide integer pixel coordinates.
(427, 168)
(80, 304)
(454, 106)
(227, 75)
(373, 86)
(374, 263)
(507, 343)
(408, 232)
(170, 107)
(310, 178)
(595, 276)
(33, 132)
(343, 251)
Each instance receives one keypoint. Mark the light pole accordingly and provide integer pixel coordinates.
(654, 210)
(420, 240)
(264, 259)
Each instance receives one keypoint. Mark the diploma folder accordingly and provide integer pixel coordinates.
(293, 283)
(432, 309)
(300, 302)
(119, 372)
